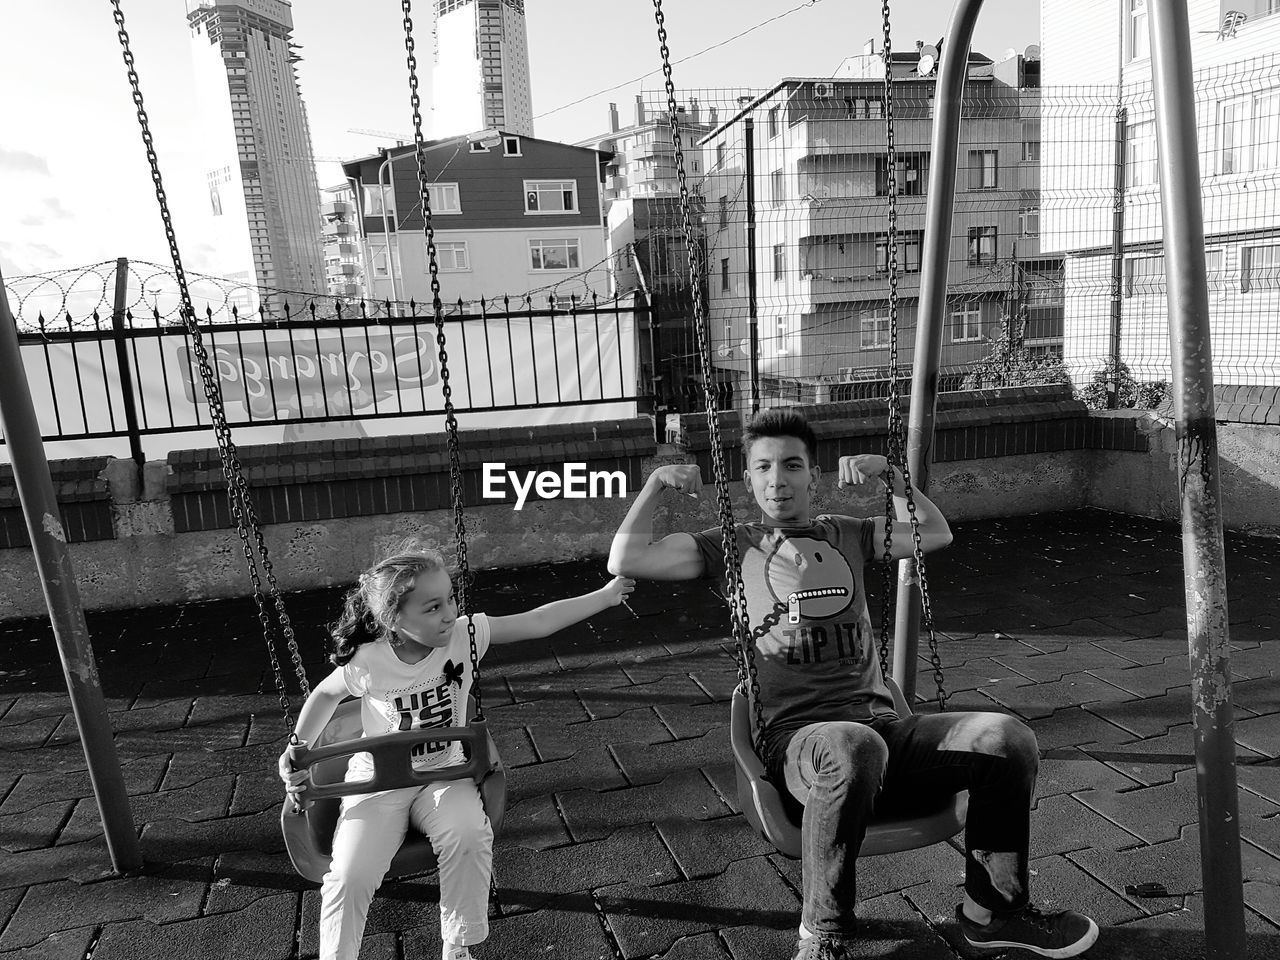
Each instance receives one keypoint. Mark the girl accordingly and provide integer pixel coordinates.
(402, 648)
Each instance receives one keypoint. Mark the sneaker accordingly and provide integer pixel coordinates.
(824, 946)
(1061, 934)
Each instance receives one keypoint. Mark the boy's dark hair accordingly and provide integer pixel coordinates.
(780, 422)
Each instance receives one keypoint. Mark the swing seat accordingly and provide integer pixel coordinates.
(308, 829)
(773, 817)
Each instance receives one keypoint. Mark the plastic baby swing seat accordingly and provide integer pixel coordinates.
(772, 817)
(308, 830)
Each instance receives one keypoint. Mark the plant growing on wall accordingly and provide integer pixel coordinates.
(1130, 392)
(1010, 363)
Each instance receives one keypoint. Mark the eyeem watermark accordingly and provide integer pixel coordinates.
(573, 482)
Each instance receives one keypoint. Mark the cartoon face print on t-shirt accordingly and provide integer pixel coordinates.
(810, 577)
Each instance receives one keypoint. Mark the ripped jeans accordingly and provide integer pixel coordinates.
(844, 771)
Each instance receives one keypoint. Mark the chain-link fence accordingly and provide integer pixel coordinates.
(1055, 270)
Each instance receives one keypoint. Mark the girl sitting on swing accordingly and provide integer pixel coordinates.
(401, 647)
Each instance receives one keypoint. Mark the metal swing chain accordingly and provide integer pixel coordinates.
(437, 309)
(734, 586)
(238, 496)
(897, 444)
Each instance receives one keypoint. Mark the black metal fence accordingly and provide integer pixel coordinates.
(130, 376)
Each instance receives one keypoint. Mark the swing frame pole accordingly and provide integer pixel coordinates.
(934, 262)
(1203, 558)
(62, 597)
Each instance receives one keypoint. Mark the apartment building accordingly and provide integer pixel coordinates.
(816, 204)
(512, 215)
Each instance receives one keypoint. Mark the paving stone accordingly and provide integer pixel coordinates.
(240, 878)
(890, 873)
(650, 669)
(557, 711)
(1156, 760)
(1150, 716)
(64, 945)
(1179, 935)
(531, 879)
(1049, 667)
(977, 674)
(1064, 823)
(648, 763)
(749, 942)
(1149, 680)
(207, 800)
(985, 646)
(9, 900)
(534, 823)
(1075, 726)
(1158, 813)
(1042, 699)
(603, 703)
(561, 683)
(702, 946)
(35, 827)
(686, 721)
(263, 930)
(648, 920)
(556, 742)
(1068, 771)
(26, 735)
(1264, 780)
(1147, 650)
(76, 861)
(591, 815)
(592, 769)
(567, 929)
(890, 927)
(51, 907)
(1057, 883)
(154, 716)
(183, 840)
(704, 848)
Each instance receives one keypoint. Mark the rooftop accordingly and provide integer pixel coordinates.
(622, 837)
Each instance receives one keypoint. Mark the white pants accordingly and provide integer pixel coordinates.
(370, 830)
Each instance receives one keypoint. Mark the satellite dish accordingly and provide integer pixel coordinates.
(1032, 52)
(928, 60)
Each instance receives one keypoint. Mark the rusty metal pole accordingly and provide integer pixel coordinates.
(934, 261)
(57, 578)
(1203, 559)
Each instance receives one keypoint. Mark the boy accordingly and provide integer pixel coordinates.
(831, 735)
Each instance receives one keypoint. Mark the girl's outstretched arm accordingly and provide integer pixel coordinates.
(315, 713)
(550, 617)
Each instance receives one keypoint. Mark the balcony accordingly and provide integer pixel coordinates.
(339, 228)
(336, 208)
(341, 270)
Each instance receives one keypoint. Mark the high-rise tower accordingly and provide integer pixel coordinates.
(481, 74)
(264, 200)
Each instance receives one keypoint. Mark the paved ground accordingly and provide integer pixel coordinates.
(623, 837)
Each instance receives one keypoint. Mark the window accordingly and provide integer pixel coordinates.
(783, 337)
(725, 286)
(982, 245)
(908, 255)
(1260, 267)
(909, 177)
(1030, 141)
(1141, 158)
(982, 170)
(719, 155)
(373, 202)
(865, 108)
(551, 196)
(779, 260)
(443, 198)
(553, 254)
(452, 257)
(1213, 269)
(511, 146)
(966, 323)
(779, 187)
(1136, 46)
(1144, 276)
(875, 330)
(724, 212)
(1248, 133)
(773, 121)
(1029, 221)
(478, 147)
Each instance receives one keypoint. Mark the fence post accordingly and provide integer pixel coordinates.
(1117, 254)
(1203, 555)
(752, 305)
(61, 596)
(122, 363)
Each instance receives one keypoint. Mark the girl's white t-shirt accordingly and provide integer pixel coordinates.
(395, 695)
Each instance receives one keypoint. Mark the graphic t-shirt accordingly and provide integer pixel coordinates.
(807, 610)
(395, 695)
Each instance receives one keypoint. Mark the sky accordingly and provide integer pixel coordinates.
(78, 189)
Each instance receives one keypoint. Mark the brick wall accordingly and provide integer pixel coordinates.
(83, 496)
